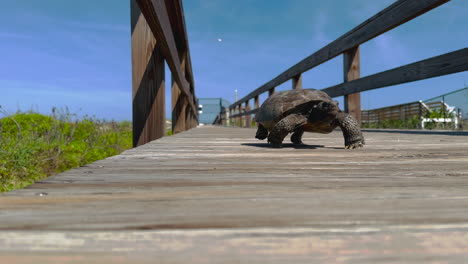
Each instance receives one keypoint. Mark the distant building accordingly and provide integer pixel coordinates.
(458, 98)
(209, 109)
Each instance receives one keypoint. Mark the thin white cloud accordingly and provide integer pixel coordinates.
(390, 50)
(365, 9)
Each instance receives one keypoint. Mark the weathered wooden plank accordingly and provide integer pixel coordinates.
(396, 14)
(352, 71)
(452, 62)
(147, 82)
(216, 194)
(155, 13)
(296, 245)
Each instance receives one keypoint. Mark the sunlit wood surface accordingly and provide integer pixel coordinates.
(217, 195)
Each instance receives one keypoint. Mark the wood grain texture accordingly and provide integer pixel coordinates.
(449, 63)
(177, 19)
(155, 13)
(179, 106)
(148, 82)
(352, 71)
(214, 194)
(396, 14)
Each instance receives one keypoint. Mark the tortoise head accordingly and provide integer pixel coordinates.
(324, 111)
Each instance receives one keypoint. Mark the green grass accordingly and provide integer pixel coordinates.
(413, 122)
(35, 146)
(410, 123)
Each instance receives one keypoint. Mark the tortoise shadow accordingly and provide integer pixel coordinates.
(288, 145)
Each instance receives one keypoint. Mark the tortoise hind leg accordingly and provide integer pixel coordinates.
(262, 132)
(296, 137)
(351, 131)
(285, 126)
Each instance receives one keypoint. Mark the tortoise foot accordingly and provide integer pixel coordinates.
(355, 145)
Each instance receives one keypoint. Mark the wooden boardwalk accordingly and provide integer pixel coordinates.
(217, 195)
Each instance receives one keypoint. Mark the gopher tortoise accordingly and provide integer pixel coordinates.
(297, 111)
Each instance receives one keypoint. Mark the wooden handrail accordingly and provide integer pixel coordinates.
(156, 15)
(391, 17)
(159, 36)
(453, 62)
(251, 112)
(394, 15)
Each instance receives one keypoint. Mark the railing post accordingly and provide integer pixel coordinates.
(188, 114)
(351, 69)
(256, 102)
(271, 91)
(248, 118)
(297, 82)
(148, 82)
(236, 119)
(226, 118)
(179, 105)
(241, 121)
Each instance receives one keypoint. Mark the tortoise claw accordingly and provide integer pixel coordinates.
(354, 145)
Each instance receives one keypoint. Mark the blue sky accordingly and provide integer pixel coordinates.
(54, 53)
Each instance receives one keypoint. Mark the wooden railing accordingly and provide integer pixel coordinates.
(159, 36)
(412, 113)
(396, 14)
(401, 112)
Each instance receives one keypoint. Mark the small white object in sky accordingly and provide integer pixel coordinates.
(220, 39)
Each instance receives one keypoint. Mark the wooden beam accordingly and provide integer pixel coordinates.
(251, 112)
(396, 14)
(241, 121)
(452, 62)
(177, 18)
(248, 117)
(156, 15)
(297, 82)
(179, 106)
(147, 81)
(188, 118)
(351, 71)
(271, 91)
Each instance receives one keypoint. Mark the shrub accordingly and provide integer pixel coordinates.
(35, 146)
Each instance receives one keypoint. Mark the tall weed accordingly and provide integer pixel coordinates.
(35, 146)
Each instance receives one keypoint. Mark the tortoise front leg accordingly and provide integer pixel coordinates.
(284, 127)
(351, 131)
(296, 137)
(262, 132)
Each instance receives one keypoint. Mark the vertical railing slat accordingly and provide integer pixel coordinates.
(351, 70)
